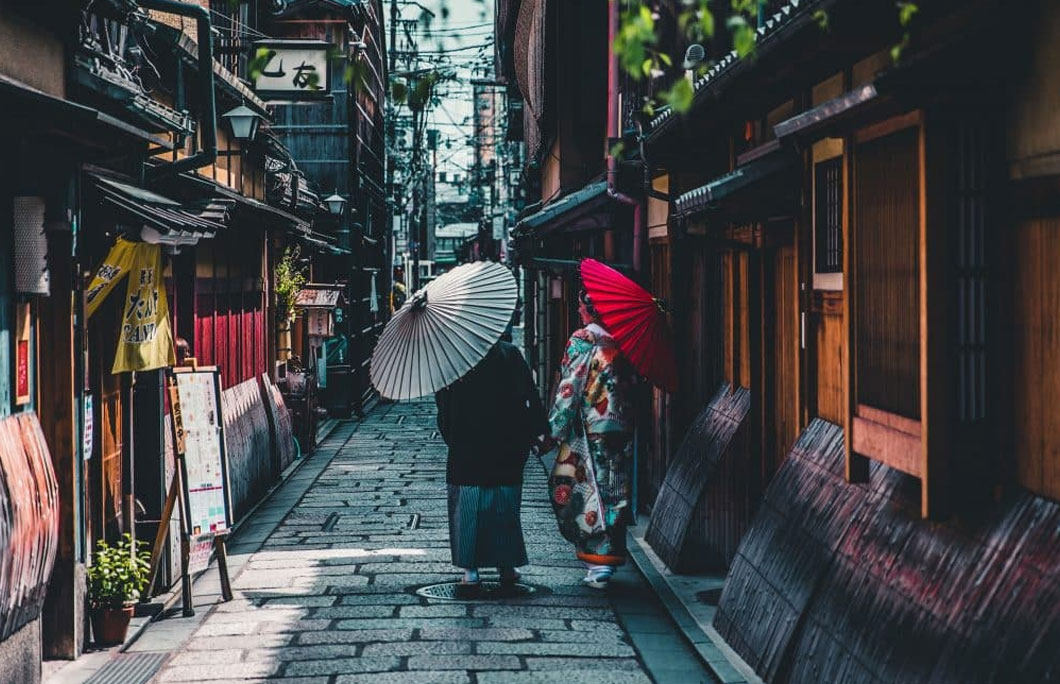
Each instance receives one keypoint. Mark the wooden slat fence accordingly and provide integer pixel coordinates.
(248, 441)
(704, 505)
(846, 583)
(29, 521)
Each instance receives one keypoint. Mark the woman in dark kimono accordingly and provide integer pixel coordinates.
(489, 418)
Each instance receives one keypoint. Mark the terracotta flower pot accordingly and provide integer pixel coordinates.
(110, 625)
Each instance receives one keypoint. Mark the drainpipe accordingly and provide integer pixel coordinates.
(613, 133)
(208, 154)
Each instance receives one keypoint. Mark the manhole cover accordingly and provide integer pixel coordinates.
(711, 597)
(485, 591)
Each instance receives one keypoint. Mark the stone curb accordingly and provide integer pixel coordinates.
(708, 645)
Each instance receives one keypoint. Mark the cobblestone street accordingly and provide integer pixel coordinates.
(325, 593)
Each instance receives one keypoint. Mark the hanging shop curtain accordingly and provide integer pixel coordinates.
(145, 341)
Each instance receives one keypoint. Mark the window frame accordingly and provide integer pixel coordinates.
(872, 434)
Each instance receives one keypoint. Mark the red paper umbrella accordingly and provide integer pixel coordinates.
(636, 321)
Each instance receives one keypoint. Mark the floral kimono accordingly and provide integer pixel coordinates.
(592, 421)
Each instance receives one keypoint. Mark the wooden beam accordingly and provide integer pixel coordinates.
(936, 363)
(857, 466)
(895, 448)
(63, 616)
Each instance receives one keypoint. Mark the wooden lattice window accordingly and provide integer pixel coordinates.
(887, 263)
(828, 216)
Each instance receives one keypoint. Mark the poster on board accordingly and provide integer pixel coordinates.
(200, 446)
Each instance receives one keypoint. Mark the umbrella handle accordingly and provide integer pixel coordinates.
(419, 300)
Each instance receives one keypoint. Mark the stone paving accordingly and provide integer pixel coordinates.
(327, 595)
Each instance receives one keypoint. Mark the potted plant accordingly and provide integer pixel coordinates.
(117, 577)
(290, 278)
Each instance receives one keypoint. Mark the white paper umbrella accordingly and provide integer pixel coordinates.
(444, 330)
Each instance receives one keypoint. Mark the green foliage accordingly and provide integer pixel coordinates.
(907, 12)
(679, 96)
(821, 17)
(420, 90)
(290, 278)
(633, 44)
(258, 62)
(743, 35)
(356, 75)
(118, 574)
(639, 55)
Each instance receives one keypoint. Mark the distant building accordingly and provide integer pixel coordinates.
(449, 239)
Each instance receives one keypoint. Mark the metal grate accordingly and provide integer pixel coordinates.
(129, 668)
(31, 247)
(485, 591)
(828, 218)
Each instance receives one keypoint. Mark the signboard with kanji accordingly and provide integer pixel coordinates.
(293, 68)
(199, 440)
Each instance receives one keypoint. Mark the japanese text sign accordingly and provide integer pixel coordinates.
(294, 68)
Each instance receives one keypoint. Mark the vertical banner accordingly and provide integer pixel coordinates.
(110, 272)
(23, 353)
(145, 341)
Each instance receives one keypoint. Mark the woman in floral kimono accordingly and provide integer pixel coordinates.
(592, 421)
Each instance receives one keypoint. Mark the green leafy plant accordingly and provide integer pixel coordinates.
(118, 574)
(641, 56)
(290, 278)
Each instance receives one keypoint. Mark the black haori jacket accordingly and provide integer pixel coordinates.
(489, 418)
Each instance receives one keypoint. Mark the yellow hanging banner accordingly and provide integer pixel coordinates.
(110, 272)
(145, 341)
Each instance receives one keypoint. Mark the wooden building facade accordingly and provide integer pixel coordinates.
(337, 142)
(852, 229)
(864, 237)
(113, 119)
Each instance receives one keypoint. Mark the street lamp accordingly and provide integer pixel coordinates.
(244, 122)
(336, 204)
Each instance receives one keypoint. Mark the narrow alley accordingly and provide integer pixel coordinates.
(325, 592)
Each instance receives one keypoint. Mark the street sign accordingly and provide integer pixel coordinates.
(89, 426)
(294, 69)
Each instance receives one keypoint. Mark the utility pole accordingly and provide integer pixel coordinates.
(416, 227)
(391, 133)
(393, 35)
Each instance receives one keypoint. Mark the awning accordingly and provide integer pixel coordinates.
(709, 196)
(165, 221)
(193, 184)
(76, 123)
(815, 122)
(322, 243)
(577, 211)
(318, 296)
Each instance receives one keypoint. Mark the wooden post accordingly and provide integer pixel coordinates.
(220, 543)
(161, 535)
(185, 540)
(936, 364)
(61, 402)
(857, 467)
